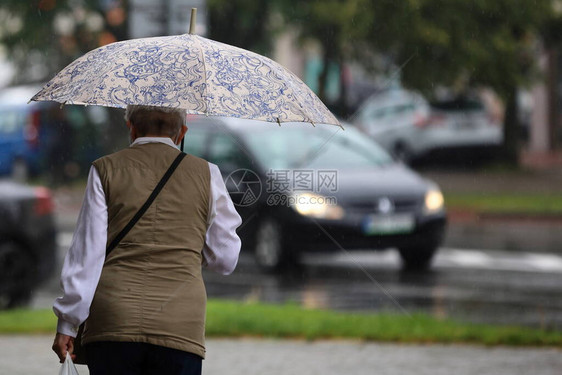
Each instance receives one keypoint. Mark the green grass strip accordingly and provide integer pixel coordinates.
(25, 321)
(288, 321)
(506, 203)
(237, 319)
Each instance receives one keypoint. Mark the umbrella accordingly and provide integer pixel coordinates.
(190, 72)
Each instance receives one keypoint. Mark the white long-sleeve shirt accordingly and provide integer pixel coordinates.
(84, 261)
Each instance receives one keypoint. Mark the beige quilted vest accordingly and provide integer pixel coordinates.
(151, 288)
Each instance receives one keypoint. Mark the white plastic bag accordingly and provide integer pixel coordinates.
(68, 367)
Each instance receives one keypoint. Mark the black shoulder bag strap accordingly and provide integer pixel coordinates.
(146, 204)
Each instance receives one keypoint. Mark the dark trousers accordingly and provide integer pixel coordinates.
(133, 358)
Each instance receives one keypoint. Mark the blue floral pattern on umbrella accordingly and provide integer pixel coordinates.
(191, 72)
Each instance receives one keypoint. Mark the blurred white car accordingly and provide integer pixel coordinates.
(407, 125)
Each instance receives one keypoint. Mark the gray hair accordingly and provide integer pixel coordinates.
(155, 120)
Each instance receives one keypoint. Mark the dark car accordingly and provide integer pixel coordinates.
(27, 240)
(304, 188)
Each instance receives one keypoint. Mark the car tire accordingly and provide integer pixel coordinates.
(270, 251)
(17, 272)
(417, 258)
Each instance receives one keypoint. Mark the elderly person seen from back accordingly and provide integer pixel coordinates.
(144, 304)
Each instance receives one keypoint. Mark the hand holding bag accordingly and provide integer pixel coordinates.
(68, 367)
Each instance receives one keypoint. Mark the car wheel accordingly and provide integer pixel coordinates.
(417, 258)
(16, 275)
(270, 251)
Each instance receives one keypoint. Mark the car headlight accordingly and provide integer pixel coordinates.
(316, 206)
(433, 201)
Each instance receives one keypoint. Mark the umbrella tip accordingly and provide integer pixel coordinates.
(193, 20)
(62, 104)
(278, 121)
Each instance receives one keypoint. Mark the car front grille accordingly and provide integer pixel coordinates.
(399, 205)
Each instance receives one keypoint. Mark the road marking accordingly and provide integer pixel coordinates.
(448, 258)
(546, 262)
(499, 260)
(366, 258)
(467, 258)
(445, 258)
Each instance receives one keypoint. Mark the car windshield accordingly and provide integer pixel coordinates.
(315, 148)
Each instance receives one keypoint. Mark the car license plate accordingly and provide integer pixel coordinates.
(388, 224)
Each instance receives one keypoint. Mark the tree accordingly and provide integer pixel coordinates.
(476, 43)
(42, 36)
(453, 43)
(251, 24)
(552, 45)
(242, 23)
(339, 26)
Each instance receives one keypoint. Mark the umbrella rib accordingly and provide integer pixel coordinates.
(206, 88)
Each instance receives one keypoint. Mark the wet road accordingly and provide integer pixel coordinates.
(473, 286)
(464, 284)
